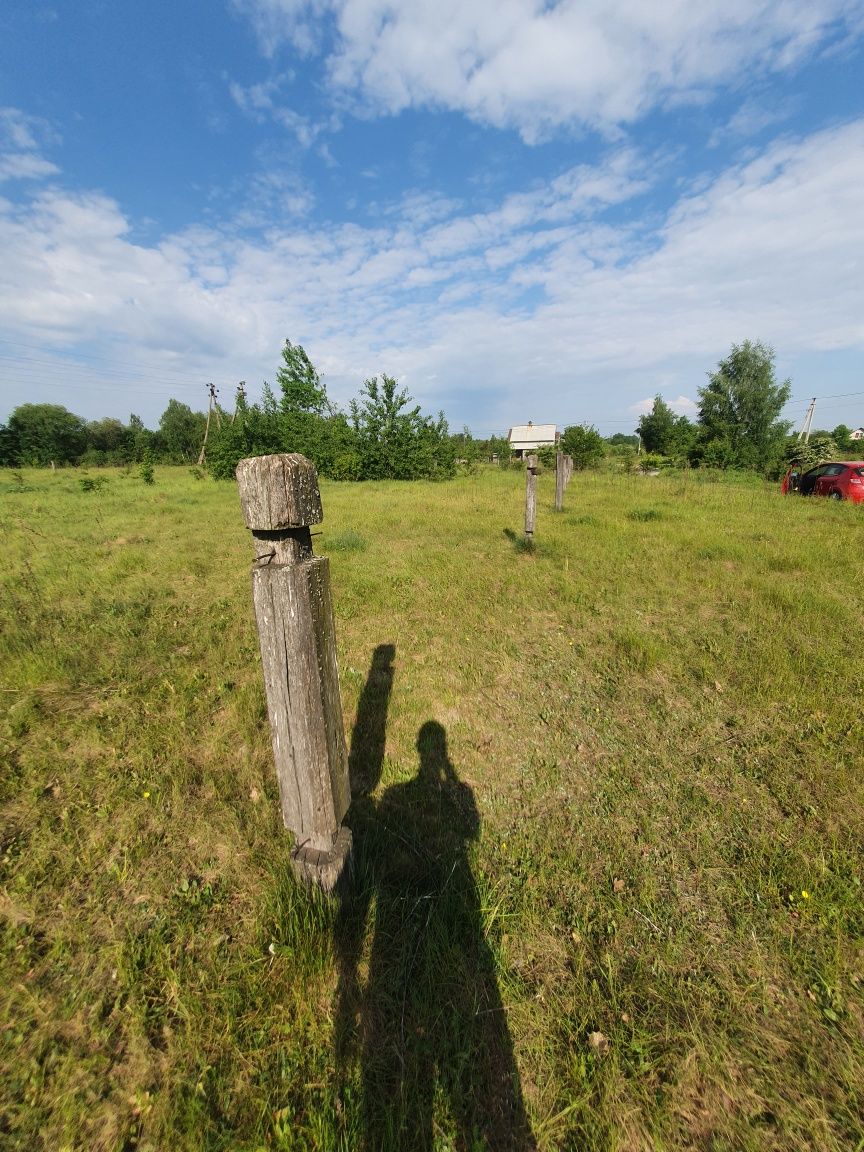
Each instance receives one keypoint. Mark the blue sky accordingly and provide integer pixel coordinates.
(521, 210)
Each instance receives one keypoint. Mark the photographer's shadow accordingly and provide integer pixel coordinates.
(428, 1025)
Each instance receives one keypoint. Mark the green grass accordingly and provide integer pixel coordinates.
(608, 786)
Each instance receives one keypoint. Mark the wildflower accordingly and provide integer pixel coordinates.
(805, 895)
(146, 795)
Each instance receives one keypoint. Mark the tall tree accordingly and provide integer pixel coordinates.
(182, 431)
(739, 410)
(657, 427)
(300, 382)
(46, 432)
(109, 441)
(584, 444)
(395, 441)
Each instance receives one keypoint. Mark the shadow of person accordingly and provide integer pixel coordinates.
(366, 757)
(436, 1056)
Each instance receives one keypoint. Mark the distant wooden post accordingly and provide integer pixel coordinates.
(531, 496)
(568, 470)
(560, 480)
(291, 592)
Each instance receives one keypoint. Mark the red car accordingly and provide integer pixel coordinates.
(837, 479)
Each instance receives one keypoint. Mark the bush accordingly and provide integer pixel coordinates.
(584, 444)
(145, 469)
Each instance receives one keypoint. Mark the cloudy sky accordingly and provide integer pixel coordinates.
(522, 210)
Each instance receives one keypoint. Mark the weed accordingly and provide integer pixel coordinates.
(92, 483)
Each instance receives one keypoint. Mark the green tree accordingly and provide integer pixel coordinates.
(304, 412)
(584, 443)
(657, 427)
(465, 449)
(665, 433)
(253, 432)
(8, 447)
(821, 446)
(182, 432)
(109, 441)
(143, 440)
(395, 441)
(841, 437)
(739, 410)
(622, 440)
(46, 432)
(300, 383)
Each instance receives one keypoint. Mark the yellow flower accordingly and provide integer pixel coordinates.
(146, 795)
(805, 895)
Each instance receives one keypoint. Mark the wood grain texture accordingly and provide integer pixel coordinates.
(278, 492)
(560, 480)
(296, 632)
(530, 495)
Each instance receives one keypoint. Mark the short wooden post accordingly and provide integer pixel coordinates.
(560, 481)
(291, 592)
(531, 496)
(568, 470)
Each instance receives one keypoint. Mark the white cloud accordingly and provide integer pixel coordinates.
(20, 137)
(535, 67)
(751, 118)
(545, 298)
(260, 102)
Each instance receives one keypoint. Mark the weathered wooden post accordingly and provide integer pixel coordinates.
(291, 592)
(530, 496)
(568, 470)
(560, 480)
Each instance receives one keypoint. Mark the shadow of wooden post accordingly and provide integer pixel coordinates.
(291, 591)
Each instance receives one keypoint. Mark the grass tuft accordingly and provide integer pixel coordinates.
(346, 541)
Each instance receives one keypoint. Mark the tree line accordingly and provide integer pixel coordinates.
(738, 424)
(382, 435)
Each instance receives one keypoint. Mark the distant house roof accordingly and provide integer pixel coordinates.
(524, 436)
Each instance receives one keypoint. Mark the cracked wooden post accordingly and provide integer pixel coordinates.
(291, 592)
(560, 480)
(530, 496)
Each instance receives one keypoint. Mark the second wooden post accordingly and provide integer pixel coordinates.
(531, 497)
(293, 608)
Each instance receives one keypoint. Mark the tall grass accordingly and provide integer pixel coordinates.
(608, 824)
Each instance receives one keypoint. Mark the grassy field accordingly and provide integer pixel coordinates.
(609, 824)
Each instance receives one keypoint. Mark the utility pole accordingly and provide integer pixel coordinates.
(213, 393)
(239, 399)
(804, 434)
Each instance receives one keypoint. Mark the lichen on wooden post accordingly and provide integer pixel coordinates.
(530, 496)
(291, 592)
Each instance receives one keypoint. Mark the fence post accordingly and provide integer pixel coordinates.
(568, 470)
(530, 497)
(560, 480)
(293, 607)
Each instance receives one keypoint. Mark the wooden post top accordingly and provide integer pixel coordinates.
(279, 492)
(532, 463)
